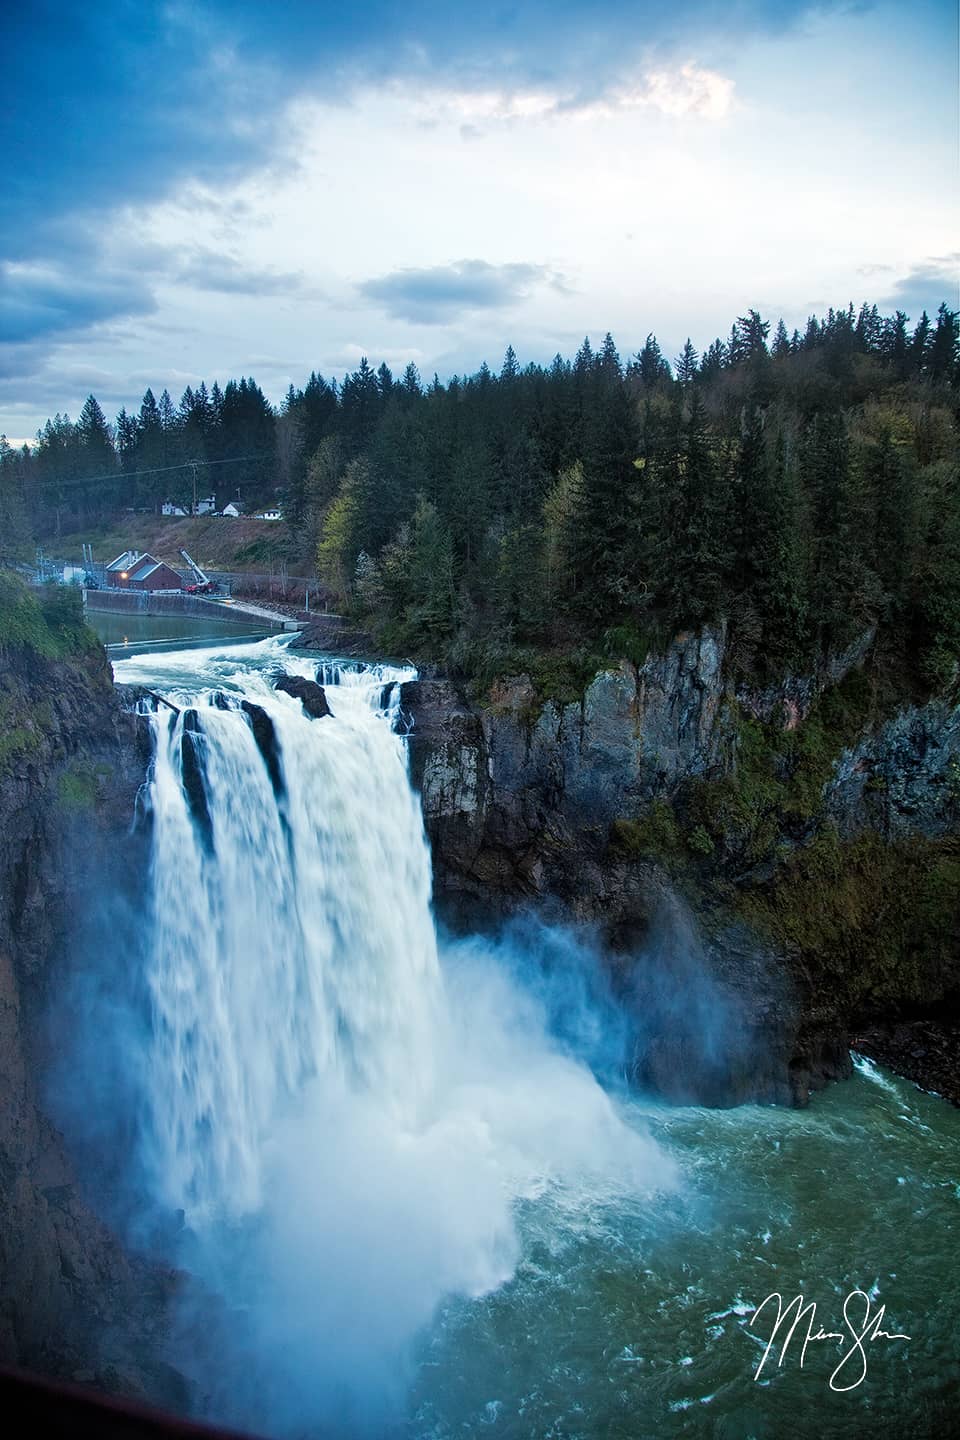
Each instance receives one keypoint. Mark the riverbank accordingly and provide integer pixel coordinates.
(925, 1051)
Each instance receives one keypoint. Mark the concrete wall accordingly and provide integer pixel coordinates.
(146, 602)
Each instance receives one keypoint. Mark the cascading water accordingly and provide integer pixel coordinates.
(346, 1126)
(409, 1208)
(292, 934)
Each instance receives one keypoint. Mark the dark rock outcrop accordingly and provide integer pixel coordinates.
(266, 738)
(903, 779)
(312, 696)
(333, 635)
(73, 1303)
(923, 1050)
(521, 798)
(194, 775)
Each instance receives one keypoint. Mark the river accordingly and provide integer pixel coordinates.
(414, 1202)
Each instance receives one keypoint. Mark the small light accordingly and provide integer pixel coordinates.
(123, 575)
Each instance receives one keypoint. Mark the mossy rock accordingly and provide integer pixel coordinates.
(77, 789)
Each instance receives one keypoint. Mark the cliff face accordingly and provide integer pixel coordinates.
(666, 782)
(72, 1303)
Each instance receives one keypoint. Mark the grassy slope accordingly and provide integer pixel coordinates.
(260, 546)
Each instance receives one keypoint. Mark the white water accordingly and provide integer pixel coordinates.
(346, 1121)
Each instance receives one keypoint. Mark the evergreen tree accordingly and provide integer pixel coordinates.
(943, 354)
(781, 341)
(96, 461)
(653, 369)
(15, 534)
(687, 363)
(920, 345)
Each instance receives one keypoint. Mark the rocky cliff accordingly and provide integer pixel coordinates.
(785, 821)
(72, 1302)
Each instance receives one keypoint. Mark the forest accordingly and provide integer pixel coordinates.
(802, 487)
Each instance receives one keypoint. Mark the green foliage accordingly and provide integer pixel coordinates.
(629, 642)
(779, 775)
(49, 622)
(879, 920)
(16, 742)
(561, 676)
(802, 493)
(77, 788)
(656, 836)
(700, 841)
(340, 538)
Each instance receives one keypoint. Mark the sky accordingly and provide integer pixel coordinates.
(208, 188)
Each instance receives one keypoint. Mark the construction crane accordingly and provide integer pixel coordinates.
(204, 585)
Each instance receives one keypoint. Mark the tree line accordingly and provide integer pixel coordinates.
(804, 488)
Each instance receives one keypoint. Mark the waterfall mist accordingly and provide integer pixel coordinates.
(344, 1112)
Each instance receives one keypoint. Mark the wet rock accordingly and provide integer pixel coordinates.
(924, 1049)
(63, 1273)
(312, 696)
(266, 738)
(334, 635)
(193, 769)
(904, 778)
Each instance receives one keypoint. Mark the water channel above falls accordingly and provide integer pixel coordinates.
(410, 1206)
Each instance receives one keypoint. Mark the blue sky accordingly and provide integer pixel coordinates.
(199, 190)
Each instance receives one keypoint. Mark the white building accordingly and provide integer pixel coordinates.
(168, 508)
(207, 506)
(269, 515)
(231, 510)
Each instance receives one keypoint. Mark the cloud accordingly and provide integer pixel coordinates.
(43, 300)
(688, 89)
(49, 300)
(440, 294)
(135, 98)
(926, 287)
(209, 270)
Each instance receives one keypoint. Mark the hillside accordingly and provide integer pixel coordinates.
(258, 546)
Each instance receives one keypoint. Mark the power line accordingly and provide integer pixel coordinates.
(156, 470)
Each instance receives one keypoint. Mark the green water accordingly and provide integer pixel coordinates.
(628, 1323)
(116, 628)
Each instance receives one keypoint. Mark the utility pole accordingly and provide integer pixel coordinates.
(193, 466)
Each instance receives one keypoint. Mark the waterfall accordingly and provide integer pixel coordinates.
(348, 1114)
(292, 934)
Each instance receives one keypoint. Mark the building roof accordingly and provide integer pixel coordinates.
(124, 561)
(143, 571)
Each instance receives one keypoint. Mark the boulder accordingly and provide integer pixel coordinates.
(312, 696)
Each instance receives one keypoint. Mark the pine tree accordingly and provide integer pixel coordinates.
(96, 460)
(769, 559)
(687, 363)
(432, 576)
(15, 534)
(713, 362)
(919, 346)
(699, 547)
(653, 369)
(781, 341)
(895, 346)
(943, 354)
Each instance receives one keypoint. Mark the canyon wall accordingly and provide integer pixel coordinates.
(667, 787)
(73, 1302)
